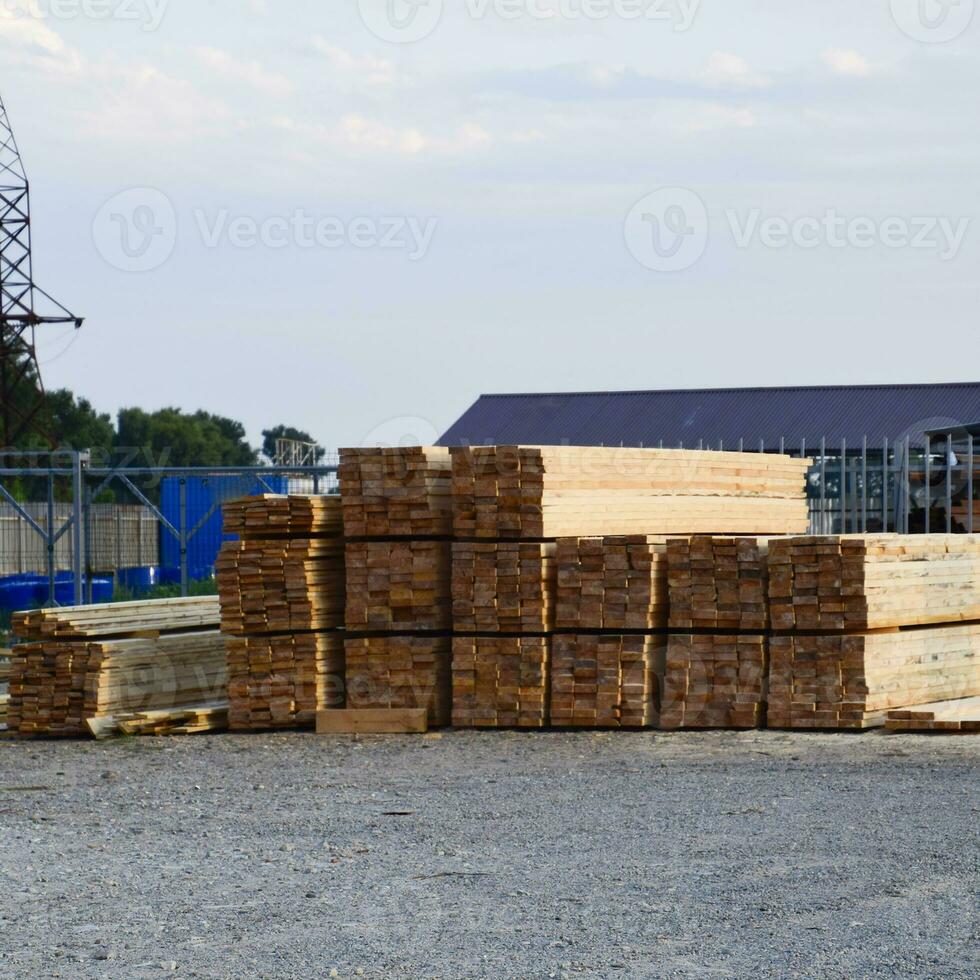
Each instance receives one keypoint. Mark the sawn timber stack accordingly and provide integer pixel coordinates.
(535, 492)
(86, 662)
(282, 599)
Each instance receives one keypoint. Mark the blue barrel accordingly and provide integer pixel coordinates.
(139, 580)
(19, 592)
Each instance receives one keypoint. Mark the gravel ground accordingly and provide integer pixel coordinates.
(470, 854)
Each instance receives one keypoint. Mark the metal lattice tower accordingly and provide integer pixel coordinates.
(21, 390)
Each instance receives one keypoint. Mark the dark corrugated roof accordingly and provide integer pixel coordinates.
(718, 415)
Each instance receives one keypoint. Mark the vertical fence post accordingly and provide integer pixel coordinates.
(183, 536)
(927, 464)
(969, 483)
(949, 483)
(49, 541)
(823, 484)
(864, 486)
(843, 485)
(87, 537)
(76, 530)
(884, 485)
(908, 484)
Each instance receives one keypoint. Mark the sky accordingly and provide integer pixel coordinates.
(354, 217)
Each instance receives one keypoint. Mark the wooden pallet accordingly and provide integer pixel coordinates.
(961, 715)
(873, 581)
(281, 681)
(398, 586)
(396, 492)
(281, 585)
(562, 491)
(852, 681)
(281, 515)
(605, 681)
(401, 672)
(503, 587)
(714, 681)
(500, 681)
(612, 583)
(718, 582)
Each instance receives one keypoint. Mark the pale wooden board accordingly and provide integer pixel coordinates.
(372, 721)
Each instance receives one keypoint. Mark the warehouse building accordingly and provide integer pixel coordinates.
(885, 457)
(796, 419)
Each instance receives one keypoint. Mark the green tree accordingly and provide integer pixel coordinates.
(75, 424)
(170, 437)
(269, 437)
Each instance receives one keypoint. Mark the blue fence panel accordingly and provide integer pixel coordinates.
(202, 493)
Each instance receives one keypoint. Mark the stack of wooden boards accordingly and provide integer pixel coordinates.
(717, 654)
(560, 556)
(92, 668)
(281, 587)
(397, 514)
(611, 613)
(962, 715)
(875, 623)
(4, 680)
(541, 492)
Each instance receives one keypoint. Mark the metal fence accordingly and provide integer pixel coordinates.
(87, 530)
(75, 532)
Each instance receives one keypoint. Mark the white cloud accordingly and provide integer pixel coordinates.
(847, 62)
(712, 117)
(375, 71)
(362, 134)
(250, 72)
(726, 69)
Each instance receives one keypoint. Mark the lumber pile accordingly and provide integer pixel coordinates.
(872, 581)
(396, 492)
(78, 663)
(563, 491)
(141, 618)
(852, 680)
(714, 680)
(284, 586)
(605, 681)
(280, 515)
(616, 582)
(401, 672)
(503, 586)
(718, 583)
(282, 603)
(4, 702)
(398, 585)
(280, 681)
(961, 715)
(397, 506)
(500, 681)
(210, 716)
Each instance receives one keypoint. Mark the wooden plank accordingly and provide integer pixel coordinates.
(372, 721)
